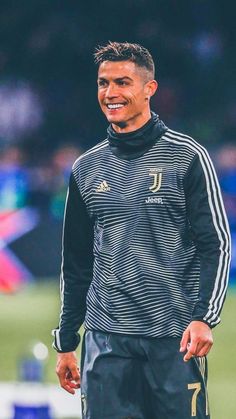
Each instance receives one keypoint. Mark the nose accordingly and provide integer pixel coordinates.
(111, 91)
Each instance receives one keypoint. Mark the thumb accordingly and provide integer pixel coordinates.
(75, 373)
(185, 340)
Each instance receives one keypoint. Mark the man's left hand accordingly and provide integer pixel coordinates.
(197, 340)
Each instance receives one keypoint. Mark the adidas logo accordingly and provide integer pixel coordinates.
(103, 187)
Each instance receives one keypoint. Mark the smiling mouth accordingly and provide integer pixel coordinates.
(112, 106)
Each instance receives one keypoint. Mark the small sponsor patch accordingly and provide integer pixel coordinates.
(154, 200)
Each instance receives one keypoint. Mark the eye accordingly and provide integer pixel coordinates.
(122, 82)
(102, 83)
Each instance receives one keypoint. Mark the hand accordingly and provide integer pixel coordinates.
(197, 340)
(67, 371)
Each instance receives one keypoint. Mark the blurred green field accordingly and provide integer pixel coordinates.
(29, 316)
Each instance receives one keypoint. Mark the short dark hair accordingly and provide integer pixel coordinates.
(125, 51)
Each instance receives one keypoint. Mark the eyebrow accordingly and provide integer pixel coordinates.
(117, 79)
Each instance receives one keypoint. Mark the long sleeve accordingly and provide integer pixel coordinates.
(76, 269)
(210, 232)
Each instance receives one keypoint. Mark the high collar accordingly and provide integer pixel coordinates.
(134, 144)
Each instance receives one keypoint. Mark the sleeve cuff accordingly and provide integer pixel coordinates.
(65, 341)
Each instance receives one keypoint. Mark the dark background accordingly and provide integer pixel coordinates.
(49, 45)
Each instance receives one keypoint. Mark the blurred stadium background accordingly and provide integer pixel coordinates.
(49, 115)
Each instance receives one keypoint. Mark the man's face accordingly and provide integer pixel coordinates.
(123, 94)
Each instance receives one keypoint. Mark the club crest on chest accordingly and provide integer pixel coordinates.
(157, 175)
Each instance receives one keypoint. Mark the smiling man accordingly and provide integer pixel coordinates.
(145, 259)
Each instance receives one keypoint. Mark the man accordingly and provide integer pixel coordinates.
(145, 258)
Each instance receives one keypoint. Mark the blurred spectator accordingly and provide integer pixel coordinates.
(13, 179)
(20, 110)
(226, 163)
(49, 180)
(62, 162)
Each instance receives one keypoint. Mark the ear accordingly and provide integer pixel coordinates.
(151, 88)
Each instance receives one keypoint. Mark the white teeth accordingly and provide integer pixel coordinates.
(114, 105)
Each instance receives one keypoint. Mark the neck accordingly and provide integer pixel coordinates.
(133, 144)
(133, 124)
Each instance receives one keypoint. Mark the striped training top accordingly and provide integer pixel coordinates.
(146, 242)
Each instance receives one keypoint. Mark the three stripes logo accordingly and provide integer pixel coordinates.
(157, 174)
(103, 187)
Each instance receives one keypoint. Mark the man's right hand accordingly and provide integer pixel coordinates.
(67, 371)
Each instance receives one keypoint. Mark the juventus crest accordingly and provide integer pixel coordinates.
(157, 175)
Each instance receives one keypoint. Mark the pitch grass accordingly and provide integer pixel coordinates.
(29, 316)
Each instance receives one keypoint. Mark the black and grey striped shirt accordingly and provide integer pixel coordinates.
(146, 241)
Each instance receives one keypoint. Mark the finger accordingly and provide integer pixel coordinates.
(192, 346)
(191, 350)
(66, 385)
(204, 345)
(71, 382)
(184, 341)
(62, 373)
(205, 349)
(208, 350)
(75, 374)
(199, 347)
(188, 356)
(68, 388)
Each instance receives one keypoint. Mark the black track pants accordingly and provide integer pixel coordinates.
(125, 377)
